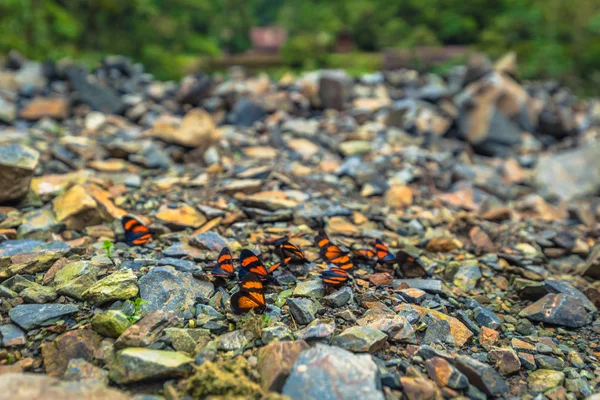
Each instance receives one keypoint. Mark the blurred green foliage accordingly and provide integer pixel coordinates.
(553, 38)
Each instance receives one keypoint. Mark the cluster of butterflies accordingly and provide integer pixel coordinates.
(253, 274)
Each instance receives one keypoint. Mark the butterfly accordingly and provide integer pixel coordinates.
(384, 256)
(250, 296)
(249, 262)
(364, 254)
(136, 233)
(224, 266)
(334, 276)
(281, 263)
(280, 240)
(410, 266)
(291, 251)
(332, 253)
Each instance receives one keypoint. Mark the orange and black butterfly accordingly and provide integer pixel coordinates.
(288, 250)
(250, 296)
(365, 253)
(136, 233)
(334, 276)
(281, 263)
(332, 253)
(384, 256)
(249, 262)
(224, 266)
(410, 266)
(280, 240)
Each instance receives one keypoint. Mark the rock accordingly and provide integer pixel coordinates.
(276, 333)
(413, 296)
(553, 286)
(167, 289)
(486, 318)
(111, 323)
(478, 65)
(275, 362)
(434, 286)
(466, 277)
(77, 209)
(303, 310)
(330, 373)
(488, 337)
(507, 64)
(100, 98)
(570, 173)
(121, 285)
(335, 88)
(246, 112)
(80, 343)
(418, 388)
(445, 374)
(138, 364)
(399, 196)
(354, 147)
(181, 217)
(313, 289)
(8, 110)
(482, 376)
(234, 340)
(459, 332)
(79, 370)
(505, 360)
(194, 89)
(12, 336)
(210, 241)
(17, 164)
(542, 380)
(558, 309)
(186, 340)
(41, 107)
(75, 278)
(317, 331)
(339, 297)
(38, 294)
(42, 387)
(196, 129)
(39, 225)
(360, 339)
(395, 326)
(147, 330)
(30, 316)
(591, 267)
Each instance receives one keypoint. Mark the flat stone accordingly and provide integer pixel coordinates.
(167, 289)
(313, 288)
(77, 209)
(330, 373)
(111, 323)
(505, 360)
(542, 380)
(12, 335)
(486, 318)
(75, 278)
(360, 339)
(317, 331)
(395, 326)
(210, 241)
(466, 277)
(234, 340)
(303, 310)
(30, 316)
(445, 374)
(79, 343)
(460, 333)
(146, 331)
(275, 362)
(42, 107)
(139, 364)
(80, 370)
(23, 386)
(416, 387)
(17, 164)
(558, 309)
(434, 286)
(39, 225)
(275, 333)
(184, 216)
(482, 376)
(121, 285)
(339, 298)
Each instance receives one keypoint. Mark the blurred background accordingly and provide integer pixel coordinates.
(554, 39)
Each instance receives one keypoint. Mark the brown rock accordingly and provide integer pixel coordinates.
(445, 374)
(184, 216)
(399, 196)
(147, 330)
(275, 362)
(488, 336)
(381, 279)
(420, 389)
(41, 107)
(341, 226)
(481, 240)
(196, 129)
(106, 206)
(17, 164)
(443, 245)
(505, 360)
(458, 330)
(80, 343)
(77, 209)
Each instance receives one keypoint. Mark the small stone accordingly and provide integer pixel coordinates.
(488, 337)
(445, 374)
(17, 164)
(39, 225)
(329, 373)
(341, 226)
(275, 362)
(146, 331)
(196, 129)
(234, 340)
(558, 309)
(542, 380)
(381, 279)
(75, 278)
(80, 343)
(139, 364)
(111, 323)
(121, 285)
(521, 345)
(317, 331)
(547, 362)
(361, 339)
(30, 316)
(396, 326)
(412, 295)
(313, 288)
(181, 217)
(459, 332)
(38, 294)
(186, 340)
(399, 197)
(303, 310)
(419, 388)
(40, 107)
(77, 209)
(466, 277)
(79, 369)
(276, 333)
(486, 318)
(482, 376)
(505, 360)
(339, 297)
(12, 336)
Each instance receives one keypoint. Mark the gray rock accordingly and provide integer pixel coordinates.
(434, 286)
(17, 164)
(29, 316)
(548, 362)
(139, 364)
(361, 339)
(278, 332)
(100, 98)
(180, 265)
(558, 309)
(79, 370)
(482, 376)
(12, 247)
(210, 241)
(339, 298)
(565, 287)
(317, 331)
(234, 340)
(39, 225)
(313, 288)
(303, 310)
(335, 88)
(466, 277)
(487, 318)
(12, 335)
(167, 289)
(331, 373)
(246, 112)
(571, 173)
(395, 326)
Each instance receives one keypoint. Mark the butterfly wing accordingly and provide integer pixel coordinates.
(288, 249)
(334, 276)
(410, 266)
(383, 253)
(365, 254)
(283, 262)
(252, 283)
(244, 301)
(342, 261)
(224, 267)
(136, 233)
(249, 262)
